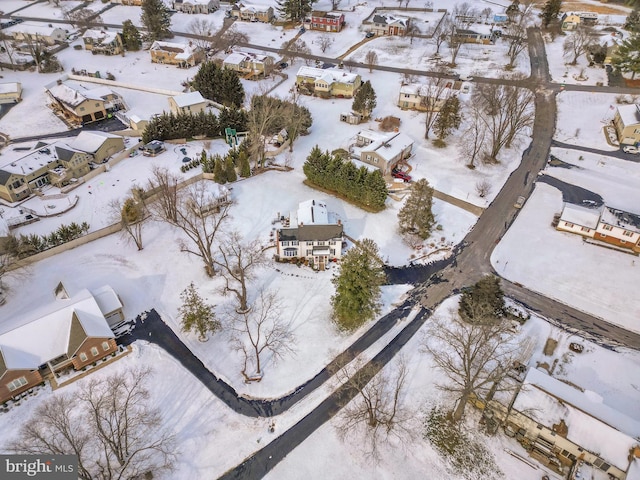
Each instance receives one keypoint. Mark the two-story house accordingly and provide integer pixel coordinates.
(326, 21)
(184, 55)
(134, 3)
(251, 65)
(626, 121)
(71, 334)
(251, 13)
(382, 150)
(196, 6)
(387, 24)
(80, 105)
(571, 20)
(106, 43)
(313, 233)
(100, 145)
(421, 97)
(191, 103)
(328, 82)
(605, 224)
(37, 33)
(481, 34)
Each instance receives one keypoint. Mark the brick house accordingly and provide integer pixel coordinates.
(71, 334)
(196, 6)
(382, 150)
(326, 21)
(312, 233)
(251, 13)
(183, 55)
(626, 121)
(328, 82)
(106, 43)
(605, 224)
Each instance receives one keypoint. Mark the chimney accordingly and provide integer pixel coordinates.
(339, 222)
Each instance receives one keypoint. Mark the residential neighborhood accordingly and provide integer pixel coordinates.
(326, 239)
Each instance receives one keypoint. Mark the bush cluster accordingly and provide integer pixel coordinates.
(27, 245)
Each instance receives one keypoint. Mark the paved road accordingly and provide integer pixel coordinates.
(573, 193)
(608, 153)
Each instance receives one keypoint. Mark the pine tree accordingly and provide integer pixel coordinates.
(197, 316)
(131, 36)
(415, 216)
(219, 172)
(375, 190)
(364, 100)
(483, 300)
(449, 118)
(230, 169)
(232, 91)
(550, 11)
(358, 286)
(232, 118)
(626, 58)
(633, 20)
(156, 18)
(295, 10)
(245, 168)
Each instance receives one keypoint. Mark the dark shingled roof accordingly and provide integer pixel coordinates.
(305, 233)
(65, 153)
(4, 177)
(380, 19)
(3, 365)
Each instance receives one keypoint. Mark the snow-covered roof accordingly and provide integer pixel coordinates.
(579, 215)
(312, 212)
(90, 141)
(183, 50)
(75, 96)
(236, 58)
(592, 424)
(387, 19)
(620, 218)
(107, 299)
(423, 90)
(390, 146)
(36, 28)
(634, 470)
(46, 337)
(10, 87)
(245, 7)
(100, 35)
(4, 228)
(32, 161)
(188, 99)
(329, 75)
(629, 114)
(197, 2)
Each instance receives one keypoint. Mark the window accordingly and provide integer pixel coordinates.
(81, 109)
(294, 243)
(284, 244)
(332, 242)
(585, 229)
(607, 227)
(105, 346)
(94, 351)
(321, 244)
(369, 158)
(627, 233)
(333, 252)
(567, 224)
(290, 252)
(83, 357)
(17, 383)
(309, 253)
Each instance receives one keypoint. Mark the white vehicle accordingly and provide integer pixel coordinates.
(465, 78)
(519, 202)
(630, 149)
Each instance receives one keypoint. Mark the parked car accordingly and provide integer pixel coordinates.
(519, 202)
(401, 175)
(284, 64)
(630, 149)
(369, 35)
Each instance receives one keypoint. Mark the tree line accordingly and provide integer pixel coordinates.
(358, 185)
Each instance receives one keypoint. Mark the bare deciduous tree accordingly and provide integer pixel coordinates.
(371, 401)
(196, 210)
(475, 357)
(238, 261)
(433, 93)
(297, 49)
(203, 29)
(262, 115)
(483, 188)
(131, 214)
(371, 59)
(474, 146)
(578, 43)
(9, 47)
(335, 4)
(108, 426)
(324, 42)
(164, 185)
(229, 39)
(262, 329)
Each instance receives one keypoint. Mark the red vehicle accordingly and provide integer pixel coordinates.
(401, 175)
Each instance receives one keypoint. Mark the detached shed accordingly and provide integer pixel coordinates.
(351, 118)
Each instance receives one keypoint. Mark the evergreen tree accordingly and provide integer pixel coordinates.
(131, 36)
(245, 168)
(197, 316)
(156, 18)
(295, 10)
(232, 91)
(232, 118)
(230, 169)
(449, 118)
(633, 20)
(358, 286)
(550, 11)
(626, 58)
(415, 216)
(219, 172)
(203, 157)
(375, 190)
(364, 100)
(482, 300)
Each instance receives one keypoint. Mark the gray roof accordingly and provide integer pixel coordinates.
(65, 154)
(306, 233)
(4, 177)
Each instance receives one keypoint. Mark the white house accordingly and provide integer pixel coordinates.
(313, 233)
